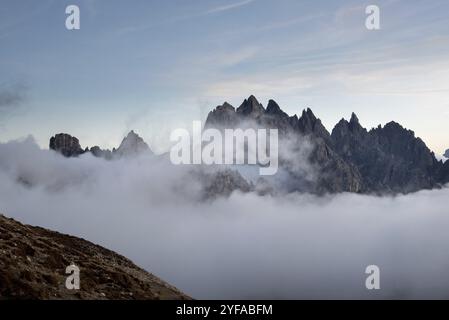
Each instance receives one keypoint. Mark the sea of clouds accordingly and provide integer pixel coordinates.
(245, 246)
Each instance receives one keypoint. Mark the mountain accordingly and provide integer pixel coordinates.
(69, 146)
(33, 261)
(66, 145)
(387, 159)
(132, 145)
(335, 175)
(446, 154)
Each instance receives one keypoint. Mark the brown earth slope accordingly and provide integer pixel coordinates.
(33, 262)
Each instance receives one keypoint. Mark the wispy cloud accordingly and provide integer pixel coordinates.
(229, 6)
(11, 96)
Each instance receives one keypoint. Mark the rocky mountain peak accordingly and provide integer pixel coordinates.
(310, 124)
(274, 109)
(132, 144)
(65, 144)
(227, 106)
(308, 115)
(251, 107)
(354, 119)
(446, 154)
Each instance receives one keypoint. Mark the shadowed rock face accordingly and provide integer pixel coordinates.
(66, 145)
(446, 154)
(387, 159)
(33, 262)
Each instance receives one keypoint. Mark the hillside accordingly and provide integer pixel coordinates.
(33, 261)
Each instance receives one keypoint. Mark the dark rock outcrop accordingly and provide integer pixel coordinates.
(446, 154)
(33, 262)
(389, 158)
(67, 145)
(101, 153)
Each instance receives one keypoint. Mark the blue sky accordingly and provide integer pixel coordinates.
(154, 66)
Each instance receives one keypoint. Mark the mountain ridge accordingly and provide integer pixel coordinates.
(383, 160)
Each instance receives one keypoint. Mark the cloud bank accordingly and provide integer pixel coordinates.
(245, 246)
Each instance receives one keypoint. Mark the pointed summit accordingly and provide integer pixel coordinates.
(131, 145)
(354, 124)
(251, 107)
(309, 124)
(223, 115)
(354, 118)
(274, 109)
(227, 105)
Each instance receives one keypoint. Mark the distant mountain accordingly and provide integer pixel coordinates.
(69, 146)
(132, 145)
(387, 159)
(34, 260)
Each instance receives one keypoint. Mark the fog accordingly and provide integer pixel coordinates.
(245, 246)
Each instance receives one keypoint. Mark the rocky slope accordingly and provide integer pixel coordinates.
(33, 261)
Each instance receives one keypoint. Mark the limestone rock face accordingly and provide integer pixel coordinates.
(390, 158)
(33, 262)
(65, 144)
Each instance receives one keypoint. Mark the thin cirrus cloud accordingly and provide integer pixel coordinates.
(229, 6)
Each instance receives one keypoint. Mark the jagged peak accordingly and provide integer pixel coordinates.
(224, 107)
(274, 109)
(308, 114)
(250, 106)
(132, 135)
(252, 99)
(354, 119)
(132, 144)
(342, 123)
(227, 105)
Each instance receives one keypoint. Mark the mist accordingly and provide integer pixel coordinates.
(245, 246)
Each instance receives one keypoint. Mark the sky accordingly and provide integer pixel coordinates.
(154, 66)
